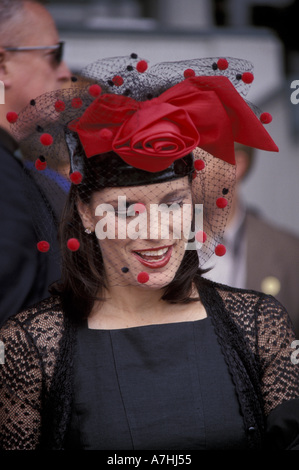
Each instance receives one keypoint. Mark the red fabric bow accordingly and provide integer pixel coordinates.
(201, 111)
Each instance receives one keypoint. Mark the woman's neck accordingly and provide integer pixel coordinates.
(131, 306)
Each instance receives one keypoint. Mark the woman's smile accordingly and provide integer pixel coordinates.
(155, 257)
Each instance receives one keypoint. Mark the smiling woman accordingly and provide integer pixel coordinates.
(146, 240)
(135, 349)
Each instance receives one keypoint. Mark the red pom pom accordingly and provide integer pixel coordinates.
(265, 118)
(73, 244)
(143, 277)
(40, 164)
(221, 202)
(43, 246)
(201, 236)
(106, 134)
(220, 250)
(141, 66)
(222, 64)
(118, 80)
(46, 139)
(139, 208)
(95, 90)
(12, 117)
(199, 165)
(247, 77)
(59, 106)
(76, 177)
(76, 103)
(189, 73)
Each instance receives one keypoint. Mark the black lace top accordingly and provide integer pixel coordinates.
(256, 340)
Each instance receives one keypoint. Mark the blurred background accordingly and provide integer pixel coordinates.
(265, 32)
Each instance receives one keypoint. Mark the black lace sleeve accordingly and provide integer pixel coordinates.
(280, 379)
(30, 348)
(280, 375)
(20, 392)
(268, 333)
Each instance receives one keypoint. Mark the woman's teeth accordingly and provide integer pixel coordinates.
(153, 254)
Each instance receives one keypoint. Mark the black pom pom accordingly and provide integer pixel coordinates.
(134, 56)
(225, 191)
(238, 76)
(125, 269)
(214, 66)
(32, 102)
(110, 83)
(74, 79)
(130, 68)
(127, 92)
(39, 128)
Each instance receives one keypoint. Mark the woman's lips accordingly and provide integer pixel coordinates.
(154, 258)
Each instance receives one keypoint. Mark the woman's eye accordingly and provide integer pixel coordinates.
(125, 211)
(175, 204)
(129, 211)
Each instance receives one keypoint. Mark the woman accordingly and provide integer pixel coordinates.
(135, 350)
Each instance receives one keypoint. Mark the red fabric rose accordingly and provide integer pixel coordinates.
(160, 131)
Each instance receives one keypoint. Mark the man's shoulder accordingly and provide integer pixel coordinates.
(10, 166)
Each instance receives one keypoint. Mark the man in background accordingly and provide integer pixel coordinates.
(260, 255)
(30, 65)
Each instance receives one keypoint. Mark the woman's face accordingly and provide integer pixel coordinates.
(141, 229)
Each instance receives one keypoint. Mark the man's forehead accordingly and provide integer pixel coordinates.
(38, 26)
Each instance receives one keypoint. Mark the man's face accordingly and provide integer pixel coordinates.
(32, 73)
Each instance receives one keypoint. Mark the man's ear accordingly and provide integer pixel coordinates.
(85, 215)
(4, 77)
(3, 54)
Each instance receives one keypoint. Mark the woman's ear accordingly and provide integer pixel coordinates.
(85, 215)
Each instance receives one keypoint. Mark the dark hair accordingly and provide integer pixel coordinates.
(83, 277)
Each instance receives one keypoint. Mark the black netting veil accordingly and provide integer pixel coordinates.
(115, 211)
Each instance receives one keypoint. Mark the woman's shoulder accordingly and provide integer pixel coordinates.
(44, 319)
(257, 318)
(252, 310)
(239, 298)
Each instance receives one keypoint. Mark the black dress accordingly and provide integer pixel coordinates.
(154, 387)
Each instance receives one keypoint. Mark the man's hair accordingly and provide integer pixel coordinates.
(11, 15)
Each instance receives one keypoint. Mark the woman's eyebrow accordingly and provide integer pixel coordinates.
(115, 202)
(178, 193)
(172, 195)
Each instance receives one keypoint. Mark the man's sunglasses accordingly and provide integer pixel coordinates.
(57, 50)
